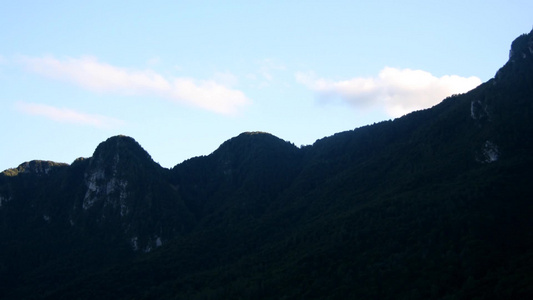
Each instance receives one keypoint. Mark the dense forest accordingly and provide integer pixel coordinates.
(432, 205)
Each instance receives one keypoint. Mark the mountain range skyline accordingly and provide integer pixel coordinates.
(183, 77)
(431, 205)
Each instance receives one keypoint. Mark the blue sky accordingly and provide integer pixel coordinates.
(181, 77)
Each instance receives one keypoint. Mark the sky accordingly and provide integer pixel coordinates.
(182, 77)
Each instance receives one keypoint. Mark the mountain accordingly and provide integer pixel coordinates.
(127, 192)
(432, 205)
(254, 166)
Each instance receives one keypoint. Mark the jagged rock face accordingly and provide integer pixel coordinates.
(520, 59)
(104, 184)
(479, 110)
(522, 47)
(125, 191)
(119, 193)
(495, 106)
(105, 178)
(490, 152)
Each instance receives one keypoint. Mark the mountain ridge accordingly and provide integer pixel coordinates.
(521, 50)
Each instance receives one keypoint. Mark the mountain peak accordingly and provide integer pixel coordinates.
(115, 162)
(522, 47)
(255, 136)
(253, 143)
(520, 64)
(120, 140)
(121, 146)
(260, 133)
(39, 167)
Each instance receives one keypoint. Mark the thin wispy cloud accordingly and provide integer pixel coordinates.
(266, 72)
(226, 78)
(153, 61)
(91, 74)
(69, 116)
(399, 91)
(268, 66)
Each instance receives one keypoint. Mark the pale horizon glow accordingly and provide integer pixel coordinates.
(182, 77)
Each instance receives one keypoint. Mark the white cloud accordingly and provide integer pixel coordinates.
(65, 115)
(91, 74)
(207, 94)
(399, 91)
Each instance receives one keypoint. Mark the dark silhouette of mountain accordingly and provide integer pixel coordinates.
(433, 205)
(251, 169)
